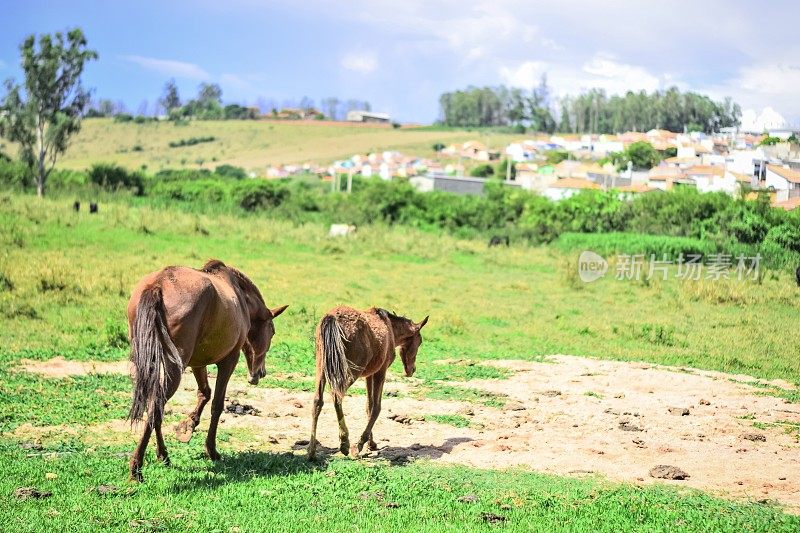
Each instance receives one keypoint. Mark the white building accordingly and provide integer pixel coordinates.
(564, 188)
(784, 180)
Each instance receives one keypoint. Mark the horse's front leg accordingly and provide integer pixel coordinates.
(374, 393)
(186, 428)
(224, 370)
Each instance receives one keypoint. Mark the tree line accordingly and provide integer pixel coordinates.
(208, 105)
(590, 112)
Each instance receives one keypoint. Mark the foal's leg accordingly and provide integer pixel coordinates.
(374, 393)
(344, 435)
(316, 408)
(186, 428)
(224, 370)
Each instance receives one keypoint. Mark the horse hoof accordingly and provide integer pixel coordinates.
(165, 460)
(344, 447)
(371, 446)
(136, 476)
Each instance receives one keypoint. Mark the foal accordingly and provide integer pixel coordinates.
(179, 317)
(353, 344)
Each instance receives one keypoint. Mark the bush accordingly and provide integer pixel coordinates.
(230, 171)
(482, 171)
(15, 174)
(123, 117)
(253, 195)
(191, 141)
(112, 177)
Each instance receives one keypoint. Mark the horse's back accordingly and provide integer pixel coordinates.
(202, 310)
(366, 335)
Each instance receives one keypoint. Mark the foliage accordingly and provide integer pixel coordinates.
(498, 106)
(170, 100)
(113, 177)
(230, 171)
(770, 141)
(596, 112)
(482, 171)
(554, 157)
(43, 120)
(640, 154)
(502, 170)
(191, 141)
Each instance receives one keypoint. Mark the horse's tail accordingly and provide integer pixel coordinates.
(335, 367)
(153, 355)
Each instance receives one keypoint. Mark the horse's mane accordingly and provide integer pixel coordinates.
(388, 315)
(214, 265)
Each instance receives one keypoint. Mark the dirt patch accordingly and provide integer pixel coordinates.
(58, 367)
(566, 416)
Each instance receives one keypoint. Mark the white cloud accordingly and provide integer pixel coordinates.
(363, 62)
(758, 122)
(525, 75)
(601, 71)
(179, 69)
(769, 87)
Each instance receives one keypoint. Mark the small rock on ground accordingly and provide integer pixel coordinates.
(667, 472)
(755, 437)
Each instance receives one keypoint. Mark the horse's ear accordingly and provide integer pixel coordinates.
(278, 310)
(424, 321)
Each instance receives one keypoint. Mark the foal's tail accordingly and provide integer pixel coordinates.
(335, 367)
(153, 355)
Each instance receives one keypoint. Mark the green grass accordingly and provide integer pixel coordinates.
(66, 282)
(260, 491)
(458, 421)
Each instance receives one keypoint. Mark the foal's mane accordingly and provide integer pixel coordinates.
(390, 315)
(214, 265)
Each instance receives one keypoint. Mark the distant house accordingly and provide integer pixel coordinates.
(710, 178)
(367, 116)
(532, 178)
(564, 188)
(784, 180)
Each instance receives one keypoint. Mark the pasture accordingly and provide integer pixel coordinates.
(252, 145)
(495, 430)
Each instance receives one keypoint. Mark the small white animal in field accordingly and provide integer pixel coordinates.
(341, 230)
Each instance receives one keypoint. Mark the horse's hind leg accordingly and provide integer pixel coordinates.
(316, 408)
(186, 428)
(173, 381)
(138, 454)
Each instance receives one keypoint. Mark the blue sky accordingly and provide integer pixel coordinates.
(401, 56)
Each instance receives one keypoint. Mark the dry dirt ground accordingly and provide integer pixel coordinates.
(566, 416)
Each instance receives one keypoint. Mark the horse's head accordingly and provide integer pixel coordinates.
(259, 339)
(409, 346)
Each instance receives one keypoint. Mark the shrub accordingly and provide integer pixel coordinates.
(112, 177)
(123, 117)
(191, 141)
(15, 174)
(253, 195)
(482, 171)
(231, 171)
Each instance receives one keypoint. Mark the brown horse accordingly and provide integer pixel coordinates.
(179, 317)
(353, 344)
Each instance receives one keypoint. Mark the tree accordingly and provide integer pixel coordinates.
(170, 99)
(43, 120)
(209, 94)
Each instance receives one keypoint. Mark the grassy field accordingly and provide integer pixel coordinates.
(250, 144)
(65, 279)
